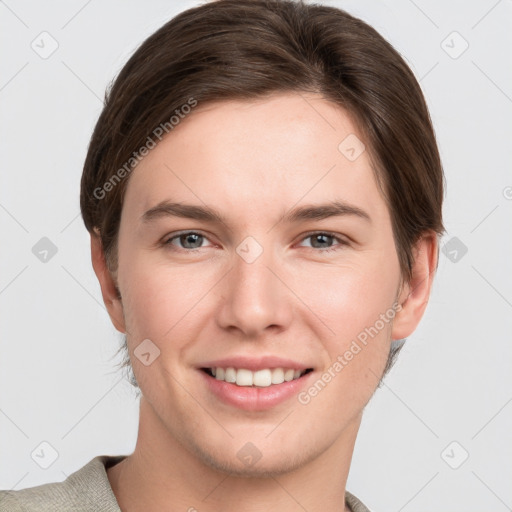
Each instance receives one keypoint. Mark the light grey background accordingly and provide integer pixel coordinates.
(453, 382)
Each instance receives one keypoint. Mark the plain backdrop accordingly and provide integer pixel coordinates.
(436, 435)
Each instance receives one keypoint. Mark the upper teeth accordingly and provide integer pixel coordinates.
(262, 378)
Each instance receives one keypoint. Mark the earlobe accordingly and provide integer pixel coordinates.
(415, 294)
(109, 289)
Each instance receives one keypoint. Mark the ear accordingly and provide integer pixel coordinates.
(109, 290)
(414, 295)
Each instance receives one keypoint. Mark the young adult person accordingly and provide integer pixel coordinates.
(263, 192)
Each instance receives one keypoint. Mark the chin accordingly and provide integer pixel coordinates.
(262, 465)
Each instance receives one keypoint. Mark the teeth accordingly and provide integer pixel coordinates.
(277, 376)
(244, 378)
(230, 375)
(260, 378)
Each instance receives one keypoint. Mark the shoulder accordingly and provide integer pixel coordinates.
(87, 489)
(354, 504)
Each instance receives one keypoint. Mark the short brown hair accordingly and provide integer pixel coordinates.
(248, 49)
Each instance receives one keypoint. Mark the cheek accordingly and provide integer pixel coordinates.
(347, 298)
(161, 300)
(355, 303)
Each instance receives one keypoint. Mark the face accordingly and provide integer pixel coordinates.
(278, 281)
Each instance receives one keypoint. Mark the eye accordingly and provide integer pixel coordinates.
(321, 238)
(188, 240)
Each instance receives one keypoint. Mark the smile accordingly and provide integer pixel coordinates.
(260, 378)
(255, 390)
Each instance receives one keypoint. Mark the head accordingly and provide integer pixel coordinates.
(256, 110)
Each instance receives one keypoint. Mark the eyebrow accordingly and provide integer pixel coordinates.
(208, 214)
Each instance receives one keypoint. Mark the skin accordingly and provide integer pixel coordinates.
(254, 161)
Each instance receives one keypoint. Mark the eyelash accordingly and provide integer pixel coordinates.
(341, 241)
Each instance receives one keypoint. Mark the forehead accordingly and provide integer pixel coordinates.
(258, 156)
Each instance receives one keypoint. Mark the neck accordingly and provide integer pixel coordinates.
(162, 474)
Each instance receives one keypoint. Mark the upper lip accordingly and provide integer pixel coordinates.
(255, 363)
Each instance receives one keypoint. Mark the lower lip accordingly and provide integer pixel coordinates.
(251, 398)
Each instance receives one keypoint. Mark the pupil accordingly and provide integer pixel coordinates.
(316, 237)
(191, 236)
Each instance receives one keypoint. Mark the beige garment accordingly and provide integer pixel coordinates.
(86, 490)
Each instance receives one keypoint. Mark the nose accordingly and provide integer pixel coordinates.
(257, 297)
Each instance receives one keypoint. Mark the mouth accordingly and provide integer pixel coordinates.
(265, 377)
(253, 383)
